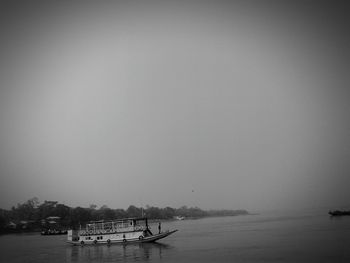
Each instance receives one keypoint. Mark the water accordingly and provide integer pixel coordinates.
(253, 238)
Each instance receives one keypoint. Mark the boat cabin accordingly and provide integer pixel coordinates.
(116, 226)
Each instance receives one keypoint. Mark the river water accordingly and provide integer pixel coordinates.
(251, 238)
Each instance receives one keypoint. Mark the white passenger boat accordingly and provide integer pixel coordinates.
(123, 231)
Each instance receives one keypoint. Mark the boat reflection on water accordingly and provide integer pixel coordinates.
(102, 253)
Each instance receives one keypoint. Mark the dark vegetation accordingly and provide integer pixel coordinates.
(34, 216)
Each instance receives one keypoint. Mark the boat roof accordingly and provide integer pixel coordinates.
(119, 220)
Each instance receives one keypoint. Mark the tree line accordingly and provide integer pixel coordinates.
(33, 215)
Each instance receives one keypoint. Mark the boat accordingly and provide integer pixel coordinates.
(49, 232)
(122, 231)
(179, 217)
(339, 213)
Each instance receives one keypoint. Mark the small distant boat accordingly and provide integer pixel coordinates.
(339, 213)
(123, 231)
(179, 217)
(50, 232)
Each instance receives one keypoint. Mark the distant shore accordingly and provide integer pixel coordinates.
(34, 216)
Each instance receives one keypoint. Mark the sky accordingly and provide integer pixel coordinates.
(215, 104)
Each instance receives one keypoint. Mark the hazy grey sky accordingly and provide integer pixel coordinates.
(237, 104)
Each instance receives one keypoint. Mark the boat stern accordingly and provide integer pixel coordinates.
(72, 236)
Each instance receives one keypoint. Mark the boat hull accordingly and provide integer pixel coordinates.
(110, 240)
(53, 232)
